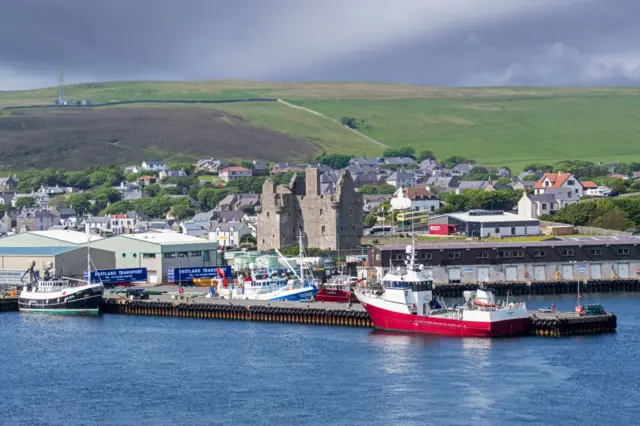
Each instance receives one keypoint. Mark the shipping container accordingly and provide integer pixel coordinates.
(442, 229)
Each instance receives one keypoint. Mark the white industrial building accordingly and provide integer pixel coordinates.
(486, 223)
(66, 250)
(159, 252)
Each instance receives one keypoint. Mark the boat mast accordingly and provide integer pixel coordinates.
(89, 262)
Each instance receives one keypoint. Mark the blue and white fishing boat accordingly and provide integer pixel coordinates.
(264, 284)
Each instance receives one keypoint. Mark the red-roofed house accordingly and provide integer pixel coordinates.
(563, 186)
(587, 184)
(234, 172)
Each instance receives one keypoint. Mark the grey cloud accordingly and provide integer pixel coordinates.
(461, 42)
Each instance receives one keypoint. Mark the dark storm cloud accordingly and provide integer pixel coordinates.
(460, 42)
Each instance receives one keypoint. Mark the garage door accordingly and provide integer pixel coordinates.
(454, 275)
(567, 272)
(153, 277)
(483, 275)
(595, 271)
(538, 273)
(623, 270)
(511, 273)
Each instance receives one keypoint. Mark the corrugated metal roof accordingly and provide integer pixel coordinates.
(35, 251)
(572, 241)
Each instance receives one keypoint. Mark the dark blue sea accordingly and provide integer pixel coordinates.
(119, 370)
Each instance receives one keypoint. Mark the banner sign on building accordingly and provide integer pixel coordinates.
(109, 276)
(12, 277)
(187, 274)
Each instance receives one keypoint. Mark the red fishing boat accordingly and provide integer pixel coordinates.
(340, 291)
(406, 304)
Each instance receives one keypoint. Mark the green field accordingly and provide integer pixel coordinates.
(495, 126)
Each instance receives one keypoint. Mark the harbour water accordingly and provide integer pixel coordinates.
(123, 370)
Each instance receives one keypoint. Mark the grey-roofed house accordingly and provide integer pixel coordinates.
(97, 225)
(230, 216)
(35, 220)
(371, 202)
(362, 162)
(368, 179)
(154, 165)
(429, 165)
(442, 184)
(6, 197)
(400, 161)
(165, 174)
(260, 167)
(399, 179)
(195, 228)
(472, 184)
(464, 168)
(8, 183)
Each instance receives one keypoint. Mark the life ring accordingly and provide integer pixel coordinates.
(526, 274)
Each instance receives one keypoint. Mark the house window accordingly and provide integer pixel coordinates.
(425, 256)
(577, 190)
(595, 252)
(482, 255)
(454, 255)
(513, 230)
(148, 255)
(497, 230)
(504, 254)
(544, 206)
(623, 251)
(567, 252)
(397, 256)
(518, 254)
(206, 255)
(570, 182)
(323, 229)
(169, 255)
(569, 194)
(182, 254)
(539, 253)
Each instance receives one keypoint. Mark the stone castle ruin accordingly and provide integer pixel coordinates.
(328, 221)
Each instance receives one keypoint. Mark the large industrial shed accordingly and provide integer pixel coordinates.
(485, 223)
(159, 252)
(66, 250)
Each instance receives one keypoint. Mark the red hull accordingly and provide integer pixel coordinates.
(394, 321)
(336, 296)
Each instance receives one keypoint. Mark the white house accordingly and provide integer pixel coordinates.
(97, 225)
(229, 234)
(154, 166)
(235, 172)
(123, 223)
(415, 198)
(164, 174)
(534, 206)
(564, 186)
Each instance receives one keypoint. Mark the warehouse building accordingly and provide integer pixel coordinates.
(571, 259)
(486, 223)
(66, 250)
(159, 252)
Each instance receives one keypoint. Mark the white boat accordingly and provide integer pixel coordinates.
(57, 295)
(264, 284)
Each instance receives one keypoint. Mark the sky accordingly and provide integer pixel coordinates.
(427, 42)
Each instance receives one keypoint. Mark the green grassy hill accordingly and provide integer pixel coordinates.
(495, 126)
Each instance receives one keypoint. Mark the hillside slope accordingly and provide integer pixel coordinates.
(497, 126)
